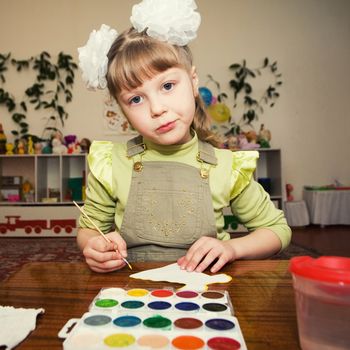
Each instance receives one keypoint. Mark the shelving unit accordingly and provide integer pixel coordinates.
(46, 172)
(51, 175)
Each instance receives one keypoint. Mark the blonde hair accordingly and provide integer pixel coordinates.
(135, 57)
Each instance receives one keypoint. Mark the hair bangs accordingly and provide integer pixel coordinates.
(140, 61)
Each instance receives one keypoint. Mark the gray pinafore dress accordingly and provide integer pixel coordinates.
(169, 205)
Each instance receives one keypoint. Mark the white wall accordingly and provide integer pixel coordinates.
(308, 38)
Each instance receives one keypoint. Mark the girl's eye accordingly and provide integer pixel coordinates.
(168, 86)
(135, 100)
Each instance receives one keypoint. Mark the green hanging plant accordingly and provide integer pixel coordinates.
(242, 84)
(51, 90)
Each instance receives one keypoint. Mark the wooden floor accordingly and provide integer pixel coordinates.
(330, 240)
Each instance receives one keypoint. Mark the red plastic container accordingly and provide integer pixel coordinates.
(322, 297)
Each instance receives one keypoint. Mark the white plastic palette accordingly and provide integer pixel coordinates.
(156, 319)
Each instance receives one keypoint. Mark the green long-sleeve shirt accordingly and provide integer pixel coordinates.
(231, 183)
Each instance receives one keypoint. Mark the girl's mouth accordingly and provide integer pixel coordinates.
(166, 127)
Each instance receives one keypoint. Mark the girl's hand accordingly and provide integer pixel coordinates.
(103, 256)
(204, 251)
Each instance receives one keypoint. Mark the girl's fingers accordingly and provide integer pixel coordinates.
(194, 258)
(99, 256)
(106, 266)
(118, 243)
(218, 265)
(209, 258)
(203, 253)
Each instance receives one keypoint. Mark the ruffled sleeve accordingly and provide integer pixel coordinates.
(99, 203)
(249, 201)
(100, 163)
(243, 167)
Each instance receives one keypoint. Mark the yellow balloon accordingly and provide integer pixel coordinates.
(219, 112)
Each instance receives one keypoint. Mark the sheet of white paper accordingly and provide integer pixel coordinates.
(16, 324)
(172, 273)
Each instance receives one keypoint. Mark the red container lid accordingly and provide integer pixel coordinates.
(332, 269)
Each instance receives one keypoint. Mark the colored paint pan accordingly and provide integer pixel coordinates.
(159, 305)
(223, 343)
(188, 342)
(97, 320)
(158, 322)
(214, 307)
(188, 323)
(132, 304)
(84, 340)
(153, 341)
(187, 294)
(137, 292)
(187, 306)
(106, 303)
(162, 293)
(112, 293)
(119, 340)
(127, 321)
(220, 324)
(213, 295)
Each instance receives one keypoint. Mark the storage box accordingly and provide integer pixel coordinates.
(75, 185)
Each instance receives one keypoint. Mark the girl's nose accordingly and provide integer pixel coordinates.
(158, 108)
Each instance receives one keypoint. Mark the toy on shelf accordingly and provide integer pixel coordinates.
(21, 146)
(72, 144)
(244, 144)
(231, 142)
(9, 149)
(85, 145)
(38, 146)
(30, 149)
(57, 143)
(289, 189)
(264, 137)
(3, 140)
(28, 191)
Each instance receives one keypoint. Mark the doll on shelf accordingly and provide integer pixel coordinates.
(38, 146)
(57, 143)
(21, 146)
(30, 149)
(9, 149)
(264, 137)
(3, 140)
(85, 145)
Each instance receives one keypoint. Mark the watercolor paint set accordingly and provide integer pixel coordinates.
(156, 319)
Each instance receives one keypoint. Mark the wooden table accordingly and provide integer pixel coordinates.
(261, 293)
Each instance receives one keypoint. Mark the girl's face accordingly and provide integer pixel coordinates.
(162, 108)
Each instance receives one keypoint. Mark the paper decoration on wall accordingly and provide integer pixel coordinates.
(115, 121)
(172, 273)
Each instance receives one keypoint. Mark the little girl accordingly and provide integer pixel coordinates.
(161, 195)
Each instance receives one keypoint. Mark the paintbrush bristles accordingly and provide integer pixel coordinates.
(98, 230)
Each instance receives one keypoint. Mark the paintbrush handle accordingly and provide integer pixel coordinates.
(92, 223)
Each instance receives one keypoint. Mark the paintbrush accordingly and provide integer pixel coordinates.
(97, 228)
